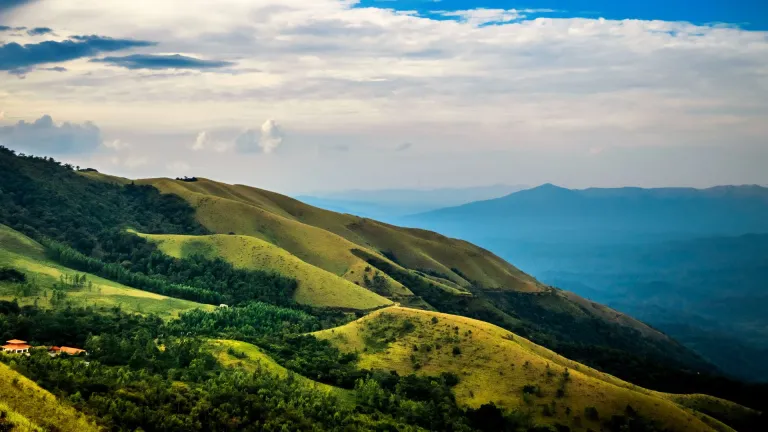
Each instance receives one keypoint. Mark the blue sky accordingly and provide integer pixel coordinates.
(748, 14)
(301, 95)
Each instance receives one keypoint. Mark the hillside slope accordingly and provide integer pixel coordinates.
(317, 287)
(494, 365)
(34, 409)
(449, 275)
(24, 254)
(325, 238)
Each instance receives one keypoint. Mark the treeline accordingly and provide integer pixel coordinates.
(42, 197)
(137, 254)
(247, 323)
(78, 261)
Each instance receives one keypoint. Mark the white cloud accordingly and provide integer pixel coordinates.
(44, 137)
(271, 136)
(2, 115)
(202, 141)
(482, 16)
(266, 139)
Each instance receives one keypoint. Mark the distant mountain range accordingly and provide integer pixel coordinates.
(549, 212)
(387, 204)
(692, 262)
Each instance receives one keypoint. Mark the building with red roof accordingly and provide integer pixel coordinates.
(16, 346)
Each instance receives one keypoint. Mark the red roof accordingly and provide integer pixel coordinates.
(16, 346)
(16, 341)
(71, 351)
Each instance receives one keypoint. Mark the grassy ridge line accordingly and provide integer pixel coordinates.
(494, 365)
(21, 252)
(317, 287)
(314, 245)
(251, 359)
(41, 409)
(415, 249)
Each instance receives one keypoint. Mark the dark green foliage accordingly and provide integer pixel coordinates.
(591, 413)
(82, 223)
(131, 383)
(249, 322)
(156, 284)
(43, 198)
(391, 256)
(5, 424)
(530, 389)
(9, 274)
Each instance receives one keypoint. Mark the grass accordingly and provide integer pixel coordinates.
(31, 408)
(495, 365)
(317, 287)
(242, 355)
(325, 238)
(26, 255)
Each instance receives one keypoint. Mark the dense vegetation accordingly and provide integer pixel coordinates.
(146, 374)
(82, 223)
(142, 375)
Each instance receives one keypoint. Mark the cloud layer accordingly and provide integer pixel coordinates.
(156, 61)
(44, 137)
(458, 83)
(14, 56)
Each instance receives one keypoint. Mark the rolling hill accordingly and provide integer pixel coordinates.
(30, 408)
(209, 241)
(441, 273)
(20, 252)
(494, 365)
(691, 262)
(316, 286)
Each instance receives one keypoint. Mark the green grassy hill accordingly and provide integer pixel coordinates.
(24, 254)
(30, 408)
(444, 274)
(324, 238)
(494, 365)
(242, 355)
(317, 287)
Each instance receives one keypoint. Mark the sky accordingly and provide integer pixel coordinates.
(299, 96)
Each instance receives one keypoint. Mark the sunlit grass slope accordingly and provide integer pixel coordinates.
(494, 365)
(33, 409)
(24, 254)
(317, 287)
(324, 238)
(242, 355)
(95, 175)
